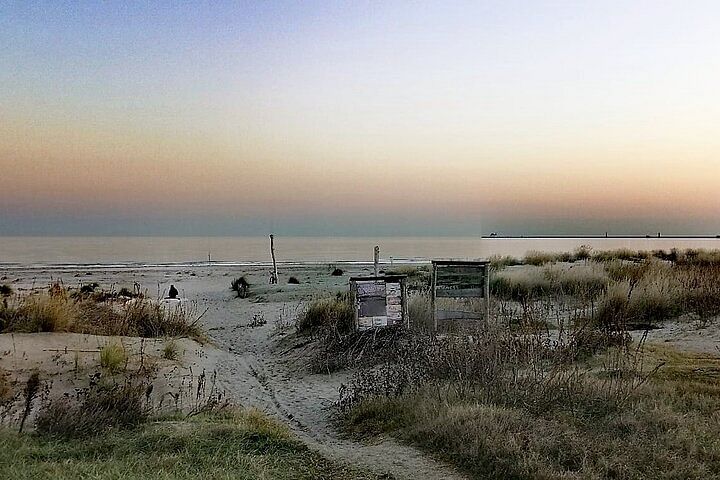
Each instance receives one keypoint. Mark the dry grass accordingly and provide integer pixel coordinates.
(511, 403)
(170, 350)
(101, 407)
(332, 314)
(113, 357)
(500, 406)
(61, 311)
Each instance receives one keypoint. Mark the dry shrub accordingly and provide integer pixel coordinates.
(96, 410)
(334, 315)
(113, 357)
(541, 258)
(496, 367)
(171, 351)
(61, 312)
(6, 390)
(420, 311)
(532, 283)
(40, 313)
(499, 262)
(331, 322)
(5, 290)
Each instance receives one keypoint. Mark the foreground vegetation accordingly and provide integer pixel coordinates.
(237, 444)
(552, 386)
(502, 406)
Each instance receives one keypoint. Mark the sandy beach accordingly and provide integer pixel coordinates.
(255, 366)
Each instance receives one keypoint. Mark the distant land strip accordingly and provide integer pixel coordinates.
(650, 236)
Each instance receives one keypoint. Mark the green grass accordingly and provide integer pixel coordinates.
(243, 444)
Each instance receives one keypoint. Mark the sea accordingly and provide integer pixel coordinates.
(41, 252)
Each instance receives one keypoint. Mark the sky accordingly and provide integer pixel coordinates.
(352, 118)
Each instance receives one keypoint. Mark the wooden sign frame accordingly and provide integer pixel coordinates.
(460, 279)
(367, 294)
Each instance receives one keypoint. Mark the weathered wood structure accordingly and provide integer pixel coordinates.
(380, 301)
(460, 291)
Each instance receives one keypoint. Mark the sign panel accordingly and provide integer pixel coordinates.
(460, 281)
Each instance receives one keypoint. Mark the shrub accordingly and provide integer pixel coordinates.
(41, 313)
(541, 258)
(293, 281)
(5, 290)
(420, 312)
(101, 407)
(241, 286)
(6, 390)
(171, 351)
(498, 262)
(334, 314)
(89, 288)
(137, 317)
(113, 357)
(337, 272)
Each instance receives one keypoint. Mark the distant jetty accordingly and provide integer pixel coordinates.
(649, 236)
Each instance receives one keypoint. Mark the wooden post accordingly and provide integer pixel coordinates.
(376, 259)
(487, 294)
(433, 283)
(274, 274)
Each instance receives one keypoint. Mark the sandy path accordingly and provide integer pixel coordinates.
(250, 363)
(255, 373)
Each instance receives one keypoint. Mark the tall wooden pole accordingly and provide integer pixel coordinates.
(274, 274)
(376, 259)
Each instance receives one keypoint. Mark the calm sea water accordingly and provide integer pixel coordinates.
(20, 251)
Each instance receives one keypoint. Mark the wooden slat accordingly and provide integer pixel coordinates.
(458, 315)
(441, 292)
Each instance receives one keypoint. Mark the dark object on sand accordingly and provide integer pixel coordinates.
(293, 281)
(241, 286)
(173, 293)
(337, 272)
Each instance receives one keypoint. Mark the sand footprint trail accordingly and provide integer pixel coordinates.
(254, 372)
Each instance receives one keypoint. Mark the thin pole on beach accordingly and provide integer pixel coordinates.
(274, 274)
(376, 259)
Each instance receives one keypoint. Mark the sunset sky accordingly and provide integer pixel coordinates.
(345, 118)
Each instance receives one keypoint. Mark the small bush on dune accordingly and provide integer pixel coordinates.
(170, 350)
(102, 407)
(293, 281)
(498, 262)
(66, 313)
(420, 312)
(408, 270)
(5, 290)
(540, 258)
(40, 313)
(6, 391)
(335, 314)
(532, 283)
(113, 357)
(337, 272)
(152, 320)
(618, 254)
